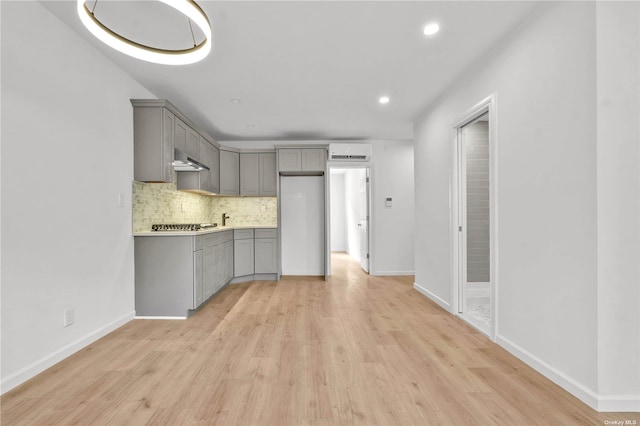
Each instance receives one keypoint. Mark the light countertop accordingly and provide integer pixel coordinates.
(203, 232)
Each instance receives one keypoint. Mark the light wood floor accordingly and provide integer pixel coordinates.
(357, 350)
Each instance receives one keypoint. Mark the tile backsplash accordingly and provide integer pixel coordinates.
(163, 203)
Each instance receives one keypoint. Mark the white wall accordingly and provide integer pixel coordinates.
(618, 183)
(66, 116)
(545, 84)
(392, 229)
(338, 224)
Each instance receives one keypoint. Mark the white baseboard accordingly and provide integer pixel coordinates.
(443, 304)
(159, 318)
(575, 388)
(391, 273)
(619, 403)
(39, 366)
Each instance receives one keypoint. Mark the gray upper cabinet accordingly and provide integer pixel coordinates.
(153, 136)
(268, 174)
(290, 160)
(229, 173)
(313, 160)
(250, 174)
(214, 172)
(187, 140)
(193, 143)
(180, 135)
(258, 174)
(301, 159)
(207, 180)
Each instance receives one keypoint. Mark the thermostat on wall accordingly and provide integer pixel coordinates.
(387, 202)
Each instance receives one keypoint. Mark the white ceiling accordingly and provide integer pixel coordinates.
(308, 70)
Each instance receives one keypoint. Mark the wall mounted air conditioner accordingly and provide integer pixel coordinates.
(350, 152)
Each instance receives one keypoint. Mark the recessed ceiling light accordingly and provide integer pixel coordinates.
(431, 29)
(235, 101)
(384, 100)
(251, 126)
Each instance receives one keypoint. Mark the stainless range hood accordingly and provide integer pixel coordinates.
(183, 163)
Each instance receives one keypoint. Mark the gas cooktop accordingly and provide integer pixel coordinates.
(183, 226)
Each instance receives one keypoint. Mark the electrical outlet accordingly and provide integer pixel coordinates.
(183, 206)
(264, 208)
(120, 200)
(68, 317)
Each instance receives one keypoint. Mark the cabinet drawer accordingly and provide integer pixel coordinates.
(266, 233)
(242, 234)
(197, 242)
(217, 238)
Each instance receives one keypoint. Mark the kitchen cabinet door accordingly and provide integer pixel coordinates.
(243, 257)
(268, 174)
(219, 267)
(229, 173)
(289, 160)
(208, 272)
(180, 135)
(265, 252)
(197, 281)
(313, 160)
(193, 144)
(214, 172)
(228, 250)
(250, 174)
(198, 181)
(153, 141)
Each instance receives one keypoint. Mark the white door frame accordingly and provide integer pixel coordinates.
(369, 168)
(487, 105)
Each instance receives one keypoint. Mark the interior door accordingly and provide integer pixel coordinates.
(475, 221)
(363, 223)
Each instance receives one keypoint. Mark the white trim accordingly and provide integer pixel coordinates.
(159, 318)
(572, 386)
(39, 366)
(619, 403)
(368, 166)
(391, 273)
(482, 328)
(443, 304)
(487, 105)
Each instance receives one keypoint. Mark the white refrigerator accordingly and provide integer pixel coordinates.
(302, 225)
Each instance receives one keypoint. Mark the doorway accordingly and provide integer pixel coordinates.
(475, 219)
(350, 213)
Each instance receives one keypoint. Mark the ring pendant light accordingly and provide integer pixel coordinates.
(152, 54)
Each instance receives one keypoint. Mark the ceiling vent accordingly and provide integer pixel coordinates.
(350, 152)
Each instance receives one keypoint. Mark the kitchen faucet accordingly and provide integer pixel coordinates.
(224, 219)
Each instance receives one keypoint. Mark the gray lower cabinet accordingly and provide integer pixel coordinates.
(243, 255)
(266, 248)
(177, 274)
(198, 292)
